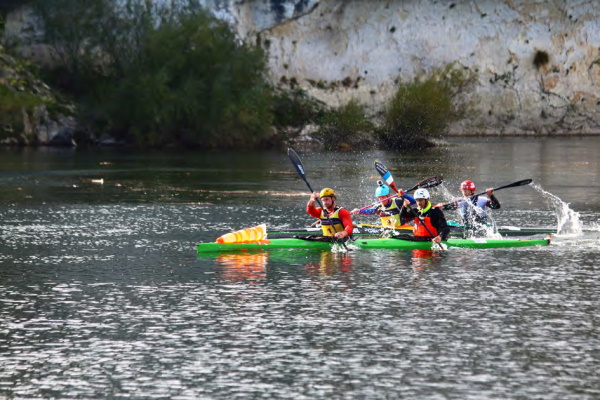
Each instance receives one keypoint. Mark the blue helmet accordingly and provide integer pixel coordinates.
(382, 190)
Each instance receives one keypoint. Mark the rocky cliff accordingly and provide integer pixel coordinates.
(537, 63)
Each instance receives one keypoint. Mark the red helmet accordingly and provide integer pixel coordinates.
(467, 185)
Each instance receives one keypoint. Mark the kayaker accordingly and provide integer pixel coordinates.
(430, 222)
(335, 220)
(472, 209)
(388, 208)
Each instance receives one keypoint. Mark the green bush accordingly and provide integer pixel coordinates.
(343, 125)
(156, 75)
(294, 108)
(13, 106)
(422, 109)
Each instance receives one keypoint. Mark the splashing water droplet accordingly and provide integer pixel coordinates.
(568, 222)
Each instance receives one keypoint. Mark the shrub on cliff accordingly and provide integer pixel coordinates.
(156, 75)
(422, 109)
(334, 128)
(294, 108)
(343, 126)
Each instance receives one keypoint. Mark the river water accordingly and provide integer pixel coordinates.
(102, 294)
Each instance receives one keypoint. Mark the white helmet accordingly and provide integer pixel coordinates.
(421, 194)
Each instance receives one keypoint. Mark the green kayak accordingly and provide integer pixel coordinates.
(373, 231)
(389, 243)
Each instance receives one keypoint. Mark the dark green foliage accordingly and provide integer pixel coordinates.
(295, 108)
(422, 109)
(13, 106)
(156, 75)
(344, 125)
(9, 5)
(20, 94)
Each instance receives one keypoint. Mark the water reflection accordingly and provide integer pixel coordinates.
(243, 267)
(329, 264)
(252, 266)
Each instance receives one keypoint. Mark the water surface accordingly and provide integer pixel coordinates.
(102, 294)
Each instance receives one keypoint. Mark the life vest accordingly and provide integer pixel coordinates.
(332, 224)
(390, 216)
(421, 227)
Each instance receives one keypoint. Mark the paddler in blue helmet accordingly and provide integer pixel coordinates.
(335, 221)
(388, 207)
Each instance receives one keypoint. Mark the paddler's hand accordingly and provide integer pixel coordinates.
(489, 191)
(406, 203)
(341, 235)
(437, 239)
(401, 192)
(313, 197)
(355, 211)
(439, 205)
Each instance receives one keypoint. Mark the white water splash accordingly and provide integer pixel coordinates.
(338, 248)
(568, 222)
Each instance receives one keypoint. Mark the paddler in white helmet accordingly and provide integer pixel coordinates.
(430, 222)
(335, 221)
(388, 208)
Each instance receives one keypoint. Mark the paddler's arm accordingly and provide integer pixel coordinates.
(347, 222)
(438, 220)
(310, 206)
(406, 212)
(410, 198)
(493, 203)
(449, 206)
(366, 211)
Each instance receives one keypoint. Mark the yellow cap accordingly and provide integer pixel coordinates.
(327, 192)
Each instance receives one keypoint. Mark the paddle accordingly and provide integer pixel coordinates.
(514, 184)
(426, 183)
(387, 176)
(300, 168)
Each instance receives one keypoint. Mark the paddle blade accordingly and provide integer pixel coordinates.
(386, 175)
(297, 162)
(428, 183)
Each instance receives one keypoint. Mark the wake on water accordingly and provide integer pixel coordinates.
(568, 221)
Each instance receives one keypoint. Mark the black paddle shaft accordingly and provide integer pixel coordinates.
(295, 158)
(514, 184)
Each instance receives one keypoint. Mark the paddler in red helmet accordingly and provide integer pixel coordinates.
(473, 209)
(335, 220)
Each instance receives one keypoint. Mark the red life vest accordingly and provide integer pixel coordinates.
(421, 227)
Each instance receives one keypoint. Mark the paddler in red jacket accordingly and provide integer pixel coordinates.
(430, 222)
(335, 221)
